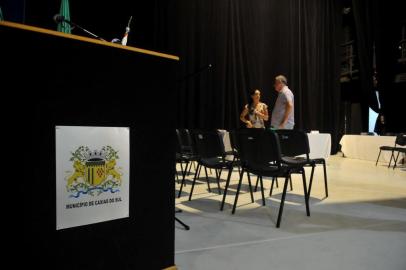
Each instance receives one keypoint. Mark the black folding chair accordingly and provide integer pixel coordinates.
(211, 154)
(260, 154)
(181, 158)
(295, 145)
(187, 146)
(398, 141)
(401, 141)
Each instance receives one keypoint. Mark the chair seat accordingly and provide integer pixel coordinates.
(297, 161)
(231, 153)
(181, 158)
(216, 163)
(319, 160)
(268, 170)
(191, 157)
(387, 148)
(400, 149)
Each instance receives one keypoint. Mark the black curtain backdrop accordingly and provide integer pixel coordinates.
(248, 43)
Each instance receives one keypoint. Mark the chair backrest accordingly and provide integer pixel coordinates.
(258, 147)
(293, 142)
(186, 141)
(178, 142)
(209, 143)
(233, 139)
(400, 139)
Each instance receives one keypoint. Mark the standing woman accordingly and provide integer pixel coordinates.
(256, 111)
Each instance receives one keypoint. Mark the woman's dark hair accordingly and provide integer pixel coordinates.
(251, 101)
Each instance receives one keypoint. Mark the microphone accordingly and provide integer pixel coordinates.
(127, 30)
(58, 18)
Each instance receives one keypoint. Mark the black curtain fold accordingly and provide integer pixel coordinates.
(379, 22)
(364, 17)
(319, 78)
(13, 10)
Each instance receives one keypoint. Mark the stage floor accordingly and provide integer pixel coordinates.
(361, 225)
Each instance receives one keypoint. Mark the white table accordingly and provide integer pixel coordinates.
(366, 147)
(320, 144)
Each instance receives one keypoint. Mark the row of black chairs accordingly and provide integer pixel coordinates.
(256, 151)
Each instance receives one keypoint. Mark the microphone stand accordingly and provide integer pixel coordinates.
(186, 227)
(198, 71)
(83, 29)
(201, 69)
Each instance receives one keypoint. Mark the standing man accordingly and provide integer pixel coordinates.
(283, 112)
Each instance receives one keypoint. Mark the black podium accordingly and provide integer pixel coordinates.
(58, 79)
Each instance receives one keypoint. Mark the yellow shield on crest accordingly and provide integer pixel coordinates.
(95, 171)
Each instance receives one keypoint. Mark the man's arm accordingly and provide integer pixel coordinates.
(288, 110)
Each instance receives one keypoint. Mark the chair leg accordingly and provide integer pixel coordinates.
(256, 185)
(181, 167)
(190, 167)
(249, 180)
(177, 177)
(391, 156)
(207, 179)
(182, 183)
(325, 178)
(311, 180)
(218, 182)
(226, 188)
(396, 160)
(184, 173)
(262, 190)
(236, 195)
(305, 193)
(290, 181)
(194, 181)
(199, 168)
(378, 157)
(285, 187)
(270, 191)
(277, 183)
(250, 187)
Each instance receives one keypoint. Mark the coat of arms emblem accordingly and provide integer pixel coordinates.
(94, 172)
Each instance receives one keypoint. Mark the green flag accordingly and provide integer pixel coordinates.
(1, 15)
(64, 11)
